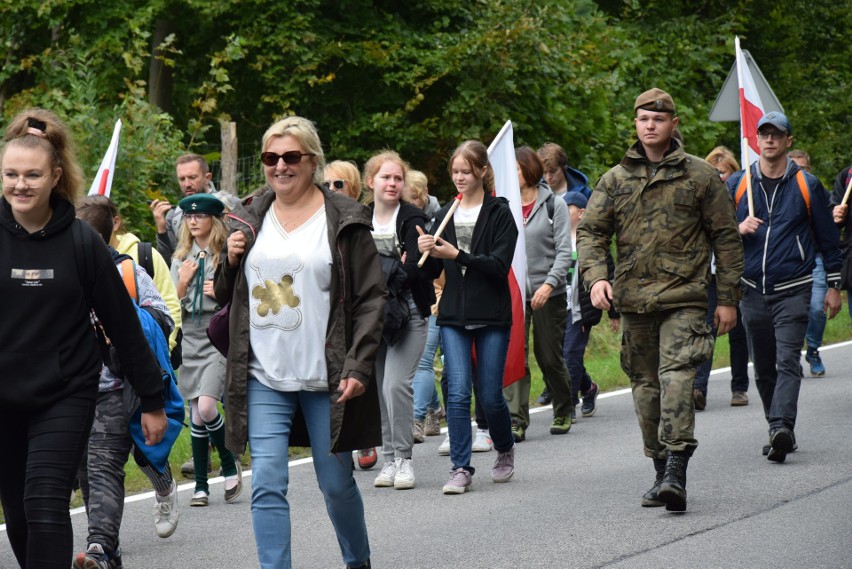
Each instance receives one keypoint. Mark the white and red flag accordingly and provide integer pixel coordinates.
(102, 183)
(501, 154)
(751, 109)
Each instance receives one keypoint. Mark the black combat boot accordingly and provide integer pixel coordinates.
(650, 499)
(673, 488)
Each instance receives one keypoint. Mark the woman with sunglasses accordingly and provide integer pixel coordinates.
(307, 296)
(396, 226)
(476, 247)
(54, 270)
(342, 177)
(202, 374)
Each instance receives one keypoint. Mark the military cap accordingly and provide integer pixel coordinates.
(776, 119)
(655, 100)
(201, 203)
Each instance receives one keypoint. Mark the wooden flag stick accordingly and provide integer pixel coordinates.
(441, 227)
(848, 190)
(748, 180)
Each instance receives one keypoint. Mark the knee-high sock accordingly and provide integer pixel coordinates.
(200, 442)
(216, 431)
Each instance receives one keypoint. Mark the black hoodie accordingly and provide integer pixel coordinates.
(50, 281)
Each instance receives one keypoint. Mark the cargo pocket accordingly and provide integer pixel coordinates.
(701, 342)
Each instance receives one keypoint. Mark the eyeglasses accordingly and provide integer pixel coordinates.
(336, 184)
(290, 157)
(773, 134)
(195, 216)
(31, 180)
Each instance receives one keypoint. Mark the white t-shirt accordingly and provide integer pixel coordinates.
(384, 235)
(289, 279)
(464, 221)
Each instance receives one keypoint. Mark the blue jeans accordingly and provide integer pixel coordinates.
(817, 317)
(270, 419)
(425, 394)
(574, 353)
(776, 325)
(491, 343)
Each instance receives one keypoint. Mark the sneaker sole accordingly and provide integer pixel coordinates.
(198, 503)
(455, 489)
(559, 431)
(407, 485)
(590, 413)
(479, 449)
(739, 403)
(502, 480)
(168, 533)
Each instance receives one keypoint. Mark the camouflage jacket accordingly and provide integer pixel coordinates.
(666, 220)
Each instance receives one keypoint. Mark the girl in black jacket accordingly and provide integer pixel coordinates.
(475, 312)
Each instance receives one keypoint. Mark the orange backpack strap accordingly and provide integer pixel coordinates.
(128, 275)
(806, 193)
(741, 190)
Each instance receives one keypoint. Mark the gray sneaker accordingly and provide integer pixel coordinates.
(504, 466)
(432, 428)
(459, 482)
(166, 513)
(417, 432)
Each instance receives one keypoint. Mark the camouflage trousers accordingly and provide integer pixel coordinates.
(102, 470)
(660, 352)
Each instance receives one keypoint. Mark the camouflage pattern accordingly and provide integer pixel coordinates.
(665, 218)
(659, 353)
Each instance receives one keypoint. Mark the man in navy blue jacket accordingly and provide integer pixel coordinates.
(791, 223)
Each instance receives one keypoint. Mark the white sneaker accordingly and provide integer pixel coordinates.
(444, 449)
(481, 441)
(404, 478)
(386, 476)
(166, 513)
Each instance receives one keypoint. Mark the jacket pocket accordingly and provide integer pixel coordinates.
(682, 264)
(30, 378)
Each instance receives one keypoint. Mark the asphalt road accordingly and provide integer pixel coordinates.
(574, 500)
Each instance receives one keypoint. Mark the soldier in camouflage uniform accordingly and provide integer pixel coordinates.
(668, 211)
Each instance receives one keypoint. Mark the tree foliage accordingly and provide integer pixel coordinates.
(418, 77)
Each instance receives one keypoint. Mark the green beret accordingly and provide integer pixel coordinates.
(655, 100)
(201, 203)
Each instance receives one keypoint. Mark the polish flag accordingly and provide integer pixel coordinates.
(751, 109)
(501, 154)
(102, 183)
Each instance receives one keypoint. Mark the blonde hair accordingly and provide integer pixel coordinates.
(418, 183)
(372, 167)
(722, 156)
(347, 171)
(218, 236)
(476, 155)
(305, 132)
(40, 128)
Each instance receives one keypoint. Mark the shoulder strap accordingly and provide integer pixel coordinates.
(128, 275)
(742, 187)
(549, 205)
(806, 192)
(146, 257)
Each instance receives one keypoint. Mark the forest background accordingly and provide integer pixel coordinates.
(417, 77)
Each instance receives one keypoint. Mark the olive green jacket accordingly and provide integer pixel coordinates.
(667, 219)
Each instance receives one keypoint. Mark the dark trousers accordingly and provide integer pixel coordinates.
(41, 451)
(574, 354)
(776, 325)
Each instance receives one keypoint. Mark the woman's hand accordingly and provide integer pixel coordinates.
(439, 249)
(236, 248)
(541, 296)
(350, 388)
(186, 271)
(208, 289)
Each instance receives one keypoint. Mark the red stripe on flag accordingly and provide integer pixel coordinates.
(103, 184)
(750, 114)
(514, 368)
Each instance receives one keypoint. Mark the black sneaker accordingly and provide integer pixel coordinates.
(545, 398)
(588, 408)
(781, 443)
(96, 558)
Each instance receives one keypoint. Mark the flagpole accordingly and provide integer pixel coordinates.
(749, 192)
(452, 210)
(848, 191)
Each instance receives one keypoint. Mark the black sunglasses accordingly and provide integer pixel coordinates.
(336, 184)
(290, 157)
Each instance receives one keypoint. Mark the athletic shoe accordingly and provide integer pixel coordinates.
(367, 458)
(588, 409)
(560, 425)
(812, 357)
(573, 416)
(459, 482)
(504, 466)
(386, 476)
(481, 441)
(518, 432)
(96, 558)
(200, 499)
(739, 399)
(234, 493)
(166, 513)
(432, 427)
(700, 399)
(545, 398)
(404, 477)
(417, 432)
(444, 448)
